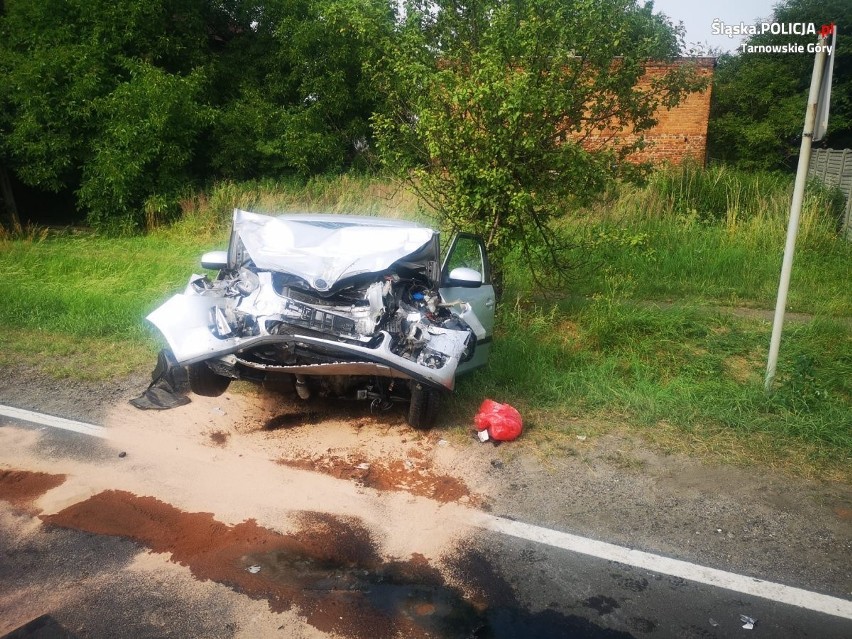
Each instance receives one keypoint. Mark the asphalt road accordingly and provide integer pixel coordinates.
(140, 582)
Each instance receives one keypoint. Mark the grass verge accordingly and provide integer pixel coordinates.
(684, 376)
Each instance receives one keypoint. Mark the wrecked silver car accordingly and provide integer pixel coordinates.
(348, 306)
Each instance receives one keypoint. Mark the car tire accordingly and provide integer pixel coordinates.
(423, 408)
(204, 382)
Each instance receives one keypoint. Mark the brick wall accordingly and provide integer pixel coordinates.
(681, 132)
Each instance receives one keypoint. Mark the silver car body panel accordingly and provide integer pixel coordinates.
(203, 323)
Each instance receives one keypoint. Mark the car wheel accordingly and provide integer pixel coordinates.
(204, 382)
(424, 406)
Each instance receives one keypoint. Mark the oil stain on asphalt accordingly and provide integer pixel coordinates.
(331, 571)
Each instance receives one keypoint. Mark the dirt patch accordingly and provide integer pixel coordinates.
(605, 485)
(289, 420)
(21, 487)
(844, 514)
(330, 569)
(219, 438)
(414, 476)
(739, 368)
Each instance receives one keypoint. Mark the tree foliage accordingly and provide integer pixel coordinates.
(60, 58)
(759, 98)
(146, 134)
(303, 105)
(483, 103)
(127, 103)
(496, 110)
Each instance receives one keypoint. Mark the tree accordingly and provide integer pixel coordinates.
(492, 105)
(68, 72)
(143, 147)
(129, 103)
(7, 198)
(300, 100)
(759, 97)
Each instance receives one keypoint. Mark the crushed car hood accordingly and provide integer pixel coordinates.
(324, 249)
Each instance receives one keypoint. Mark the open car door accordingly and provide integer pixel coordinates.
(466, 276)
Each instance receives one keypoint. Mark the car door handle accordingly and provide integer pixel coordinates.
(489, 303)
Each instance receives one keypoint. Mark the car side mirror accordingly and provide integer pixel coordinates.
(214, 260)
(464, 277)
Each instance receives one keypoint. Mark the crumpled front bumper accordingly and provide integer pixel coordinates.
(184, 321)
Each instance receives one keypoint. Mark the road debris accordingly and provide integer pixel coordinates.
(253, 569)
(713, 622)
(502, 422)
(123, 454)
(364, 466)
(748, 622)
(582, 438)
(168, 385)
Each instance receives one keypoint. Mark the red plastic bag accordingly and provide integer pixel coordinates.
(502, 421)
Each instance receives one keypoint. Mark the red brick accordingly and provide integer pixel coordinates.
(680, 133)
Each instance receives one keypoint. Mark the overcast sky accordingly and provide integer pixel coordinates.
(698, 15)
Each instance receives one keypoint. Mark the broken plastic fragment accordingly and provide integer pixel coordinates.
(363, 466)
(582, 438)
(483, 435)
(714, 623)
(748, 622)
(253, 569)
(443, 442)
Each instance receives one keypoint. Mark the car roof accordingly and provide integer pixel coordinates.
(327, 219)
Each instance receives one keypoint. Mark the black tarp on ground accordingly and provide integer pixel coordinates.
(168, 386)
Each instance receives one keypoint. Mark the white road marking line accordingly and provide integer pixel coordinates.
(672, 567)
(582, 545)
(55, 422)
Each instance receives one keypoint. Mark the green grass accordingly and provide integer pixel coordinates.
(74, 304)
(684, 372)
(208, 212)
(594, 356)
(672, 240)
(700, 371)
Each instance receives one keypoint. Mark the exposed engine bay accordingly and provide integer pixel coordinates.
(405, 315)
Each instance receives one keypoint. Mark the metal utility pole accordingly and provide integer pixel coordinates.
(796, 208)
